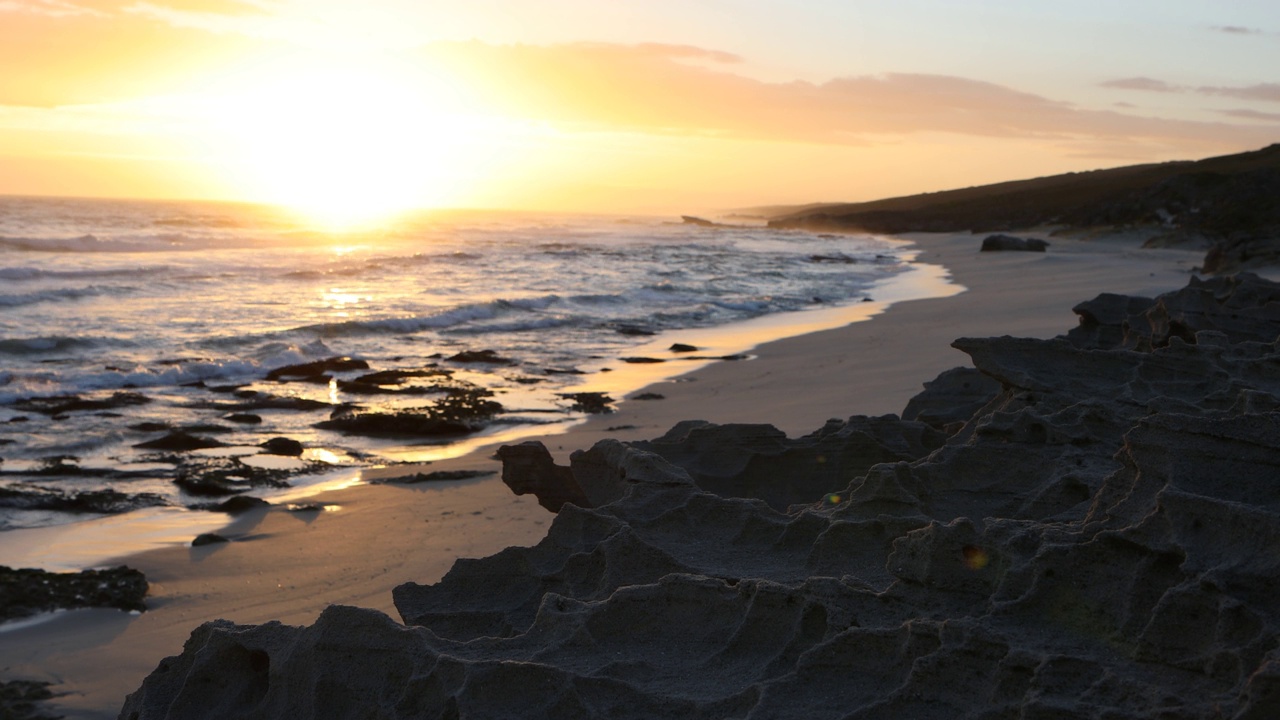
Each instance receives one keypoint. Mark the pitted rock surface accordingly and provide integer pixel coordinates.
(1099, 539)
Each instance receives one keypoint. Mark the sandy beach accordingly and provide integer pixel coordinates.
(290, 566)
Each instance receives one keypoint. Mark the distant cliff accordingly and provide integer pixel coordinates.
(1231, 203)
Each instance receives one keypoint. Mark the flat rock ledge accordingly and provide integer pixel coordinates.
(1098, 538)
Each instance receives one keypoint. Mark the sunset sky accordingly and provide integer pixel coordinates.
(615, 106)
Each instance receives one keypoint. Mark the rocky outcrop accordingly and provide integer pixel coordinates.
(463, 410)
(107, 501)
(1100, 537)
(949, 400)
(1231, 310)
(62, 404)
(759, 461)
(27, 591)
(22, 699)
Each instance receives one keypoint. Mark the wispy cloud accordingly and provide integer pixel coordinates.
(1145, 84)
(1236, 30)
(251, 24)
(1265, 92)
(653, 89)
(1247, 114)
(49, 8)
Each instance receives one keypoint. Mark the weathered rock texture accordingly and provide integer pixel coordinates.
(1100, 539)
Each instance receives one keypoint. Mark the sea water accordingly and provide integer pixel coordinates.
(174, 302)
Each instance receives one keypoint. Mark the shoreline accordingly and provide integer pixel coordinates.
(287, 566)
(106, 540)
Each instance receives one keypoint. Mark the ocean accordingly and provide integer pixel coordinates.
(123, 323)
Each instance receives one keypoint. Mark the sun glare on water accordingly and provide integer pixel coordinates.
(344, 144)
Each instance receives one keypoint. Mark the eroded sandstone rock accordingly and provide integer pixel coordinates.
(1099, 538)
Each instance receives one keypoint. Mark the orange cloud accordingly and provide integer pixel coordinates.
(1252, 115)
(1265, 92)
(656, 89)
(48, 8)
(1144, 84)
(60, 53)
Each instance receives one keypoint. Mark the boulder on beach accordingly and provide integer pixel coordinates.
(1099, 538)
(997, 243)
(208, 539)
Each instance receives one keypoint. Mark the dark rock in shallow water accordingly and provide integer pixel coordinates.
(63, 404)
(201, 486)
(235, 505)
(837, 258)
(480, 356)
(107, 501)
(179, 441)
(396, 377)
(20, 700)
(391, 382)
(317, 369)
(457, 415)
(996, 243)
(464, 409)
(282, 446)
(57, 466)
(244, 418)
(682, 348)
(1100, 539)
(434, 476)
(594, 403)
(262, 401)
(634, 331)
(401, 424)
(220, 477)
(28, 592)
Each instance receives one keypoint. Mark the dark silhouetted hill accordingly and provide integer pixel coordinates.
(1230, 202)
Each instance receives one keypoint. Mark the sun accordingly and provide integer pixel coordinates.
(345, 142)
